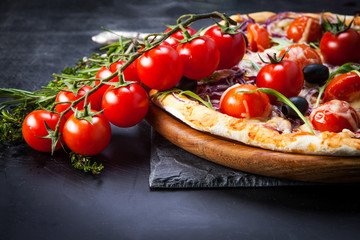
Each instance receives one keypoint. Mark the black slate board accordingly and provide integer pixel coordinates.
(173, 167)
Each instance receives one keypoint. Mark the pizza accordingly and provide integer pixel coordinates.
(292, 90)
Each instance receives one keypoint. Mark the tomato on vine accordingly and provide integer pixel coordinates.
(231, 45)
(68, 95)
(200, 57)
(340, 44)
(34, 129)
(130, 73)
(103, 73)
(125, 106)
(160, 68)
(284, 76)
(87, 132)
(175, 38)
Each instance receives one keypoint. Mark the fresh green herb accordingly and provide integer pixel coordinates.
(191, 94)
(280, 43)
(84, 163)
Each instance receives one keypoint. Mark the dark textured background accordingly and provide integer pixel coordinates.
(43, 197)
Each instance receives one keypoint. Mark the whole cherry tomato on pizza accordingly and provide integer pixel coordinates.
(284, 76)
(340, 44)
(245, 105)
(334, 116)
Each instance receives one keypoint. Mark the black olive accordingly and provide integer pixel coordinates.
(316, 73)
(186, 84)
(300, 103)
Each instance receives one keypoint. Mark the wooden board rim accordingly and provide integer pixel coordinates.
(309, 168)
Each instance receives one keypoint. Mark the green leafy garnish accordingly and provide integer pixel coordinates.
(281, 43)
(207, 103)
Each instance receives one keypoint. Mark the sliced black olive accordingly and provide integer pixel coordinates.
(186, 84)
(300, 103)
(316, 73)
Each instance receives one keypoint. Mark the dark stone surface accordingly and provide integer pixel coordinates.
(43, 197)
(173, 167)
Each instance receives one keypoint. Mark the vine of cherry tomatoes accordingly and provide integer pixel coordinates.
(125, 102)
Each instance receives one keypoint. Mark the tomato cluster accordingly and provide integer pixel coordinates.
(127, 103)
(187, 54)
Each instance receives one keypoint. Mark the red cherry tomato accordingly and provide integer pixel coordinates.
(34, 127)
(304, 29)
(245, 105)
(103, 73)
(173, 39)
(334, 116)
(65, 96)
(285, 77)
(86, 138)
(130, 73)
(301, 54)
(340, 48)
(231, 46)
(258, 38)
(200, 57)
(343, 87)
(125, 106)
(160, 68)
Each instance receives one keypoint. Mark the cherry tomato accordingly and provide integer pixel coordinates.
(340, 48)
(231, 46)
(130, 73)
(258, 38)
(304, 29)
(200, 57)
(160, 68)
(334, 116)
(302, 54)
(86, 138)
(245, 105)
(34, 127)
(103, 73)
(125, 106)
(173, 39)
(67, 96)
(343, 87)
(285, 77)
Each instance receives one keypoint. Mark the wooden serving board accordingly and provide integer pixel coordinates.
(309, 168)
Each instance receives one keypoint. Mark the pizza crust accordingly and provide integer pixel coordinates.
(256, 133)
